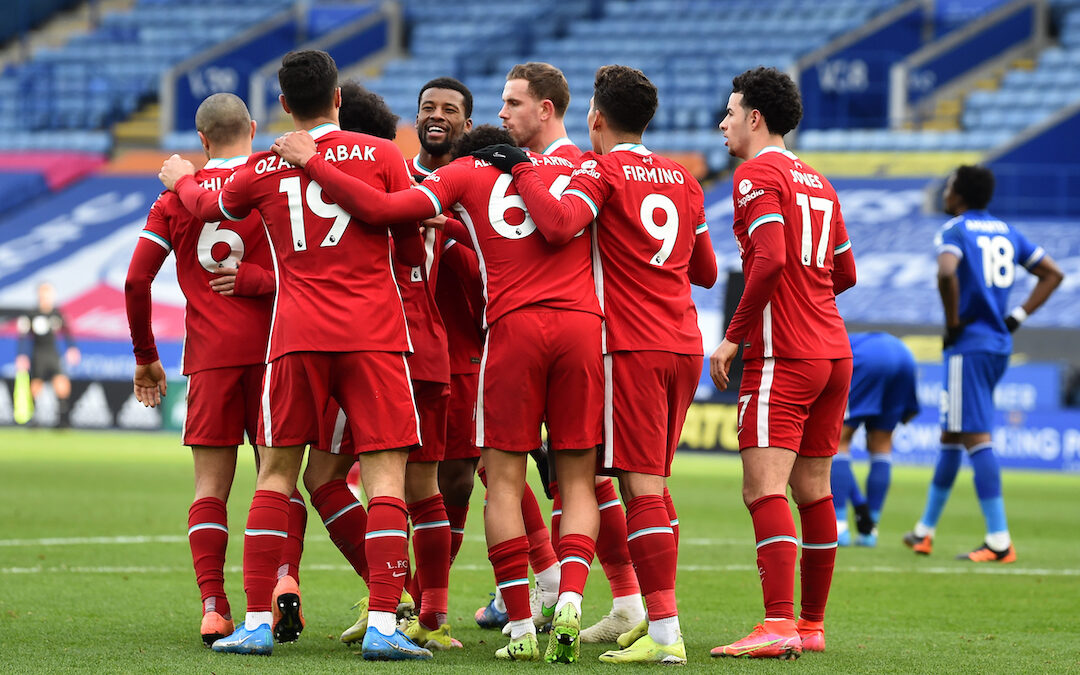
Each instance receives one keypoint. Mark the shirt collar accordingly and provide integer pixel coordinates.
(772, 148)
(632, 147)
(225, 162)
(420, 168)
(556, 144)
(323, 129)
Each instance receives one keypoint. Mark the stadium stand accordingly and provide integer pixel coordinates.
(67, 97)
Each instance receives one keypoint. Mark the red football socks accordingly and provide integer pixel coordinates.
(541, 553)
(294, 544)
(576, 552)
(457, 516)
(208, 536)
(777, 547)
(431, 546)
(510, 560)
(264, 538)
(818, 520)
(345, 520)
(651, 543)
(387, 551)
(673, 517)
(611, 547)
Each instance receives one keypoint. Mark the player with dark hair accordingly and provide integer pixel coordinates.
(652, 242)
(38, 354)
(330, 279)
(366, 112)
(882, 395)
(796, 259)
(543, 342)
(977, 259)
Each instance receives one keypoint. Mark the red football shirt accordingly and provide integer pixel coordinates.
(519, 267)
(459, 294)
(782, 204)
(429, 360)
(650, 218)
(335, 278)
(219, 331)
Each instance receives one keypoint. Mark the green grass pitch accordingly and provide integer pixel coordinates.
(113, 591)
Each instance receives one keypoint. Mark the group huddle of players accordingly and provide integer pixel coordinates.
(420, 318)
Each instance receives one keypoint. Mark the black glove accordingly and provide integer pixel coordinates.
(502, 156)
(1011, 323)
(952, 334)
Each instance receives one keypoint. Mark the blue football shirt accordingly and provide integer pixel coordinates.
(989, 250)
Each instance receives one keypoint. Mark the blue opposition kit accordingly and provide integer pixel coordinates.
(989, 251)
(883, 392)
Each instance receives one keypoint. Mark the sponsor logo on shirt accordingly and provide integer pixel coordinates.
(588, 167)
(743, 201)
(745, 186)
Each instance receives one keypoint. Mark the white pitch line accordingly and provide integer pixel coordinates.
(872, 569)
(182, 539)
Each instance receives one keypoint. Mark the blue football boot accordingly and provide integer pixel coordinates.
(244, 641)
(396, 647)
(489, 617)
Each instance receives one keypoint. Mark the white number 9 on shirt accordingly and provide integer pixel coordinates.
(666, 233)
(500, 203)
(212, 234)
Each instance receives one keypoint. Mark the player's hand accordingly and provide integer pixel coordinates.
(952, 334)
(22, 363)
(720, 363)
(295, 147)
(502, 156)
(150, 383)
(73, 356)
(436, 222)
(175, 168)
(225, 282)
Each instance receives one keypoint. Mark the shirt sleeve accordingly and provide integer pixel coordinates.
(1028, 254)
(557, 219)
(702, 270)
(254, 280)
(949, 240)
(456, 230)
(202, 203)
(757, 199)
(371, 205)
(466, 267)
(150, 252)
(843, 258)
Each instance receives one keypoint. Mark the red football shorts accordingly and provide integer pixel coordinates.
(647, 395)
(372, 388)
(223, 403)
(541, 364)
(432, 400)
(795, 404)
(461, 417)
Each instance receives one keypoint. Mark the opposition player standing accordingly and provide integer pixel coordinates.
(38, 354)
(223, 360)
(535, 99)
(977, 259)
(882, 395)
(652, 242)
(796, 258)
(541, 361)
(331, 278)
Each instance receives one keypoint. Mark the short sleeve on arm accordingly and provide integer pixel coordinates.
(234, 199)
(841, 241)
(757, 198)
(1028, 254)
(157, 223)
(948, 240)
(589, 184)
